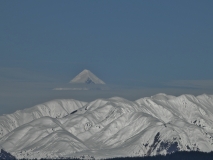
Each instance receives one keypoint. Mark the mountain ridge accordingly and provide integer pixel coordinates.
(116, 127)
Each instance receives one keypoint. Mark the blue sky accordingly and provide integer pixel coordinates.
(146, 43)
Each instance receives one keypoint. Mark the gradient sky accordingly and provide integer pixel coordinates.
(149, 42)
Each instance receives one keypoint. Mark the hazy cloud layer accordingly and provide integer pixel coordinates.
(199, 84)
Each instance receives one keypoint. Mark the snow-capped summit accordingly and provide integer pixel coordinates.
(87, 77)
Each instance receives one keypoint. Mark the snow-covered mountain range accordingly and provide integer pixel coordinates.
(113, 127)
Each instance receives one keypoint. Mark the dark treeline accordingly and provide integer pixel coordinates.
(6, 156)
(194, 155)
(174, 156)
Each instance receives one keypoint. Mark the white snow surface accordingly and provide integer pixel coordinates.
(87, 77)
(107, 128)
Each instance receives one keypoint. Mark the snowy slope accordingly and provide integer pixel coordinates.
(54, 109)
(87, 77)
(114, 127)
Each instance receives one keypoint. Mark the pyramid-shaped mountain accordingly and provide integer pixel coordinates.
(87, 77)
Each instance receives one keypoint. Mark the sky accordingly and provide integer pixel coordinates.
(157, 46)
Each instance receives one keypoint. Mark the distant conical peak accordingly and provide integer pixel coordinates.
(85, 70)
(87, 77)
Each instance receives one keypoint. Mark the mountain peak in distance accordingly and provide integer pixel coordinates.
(87, 77)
